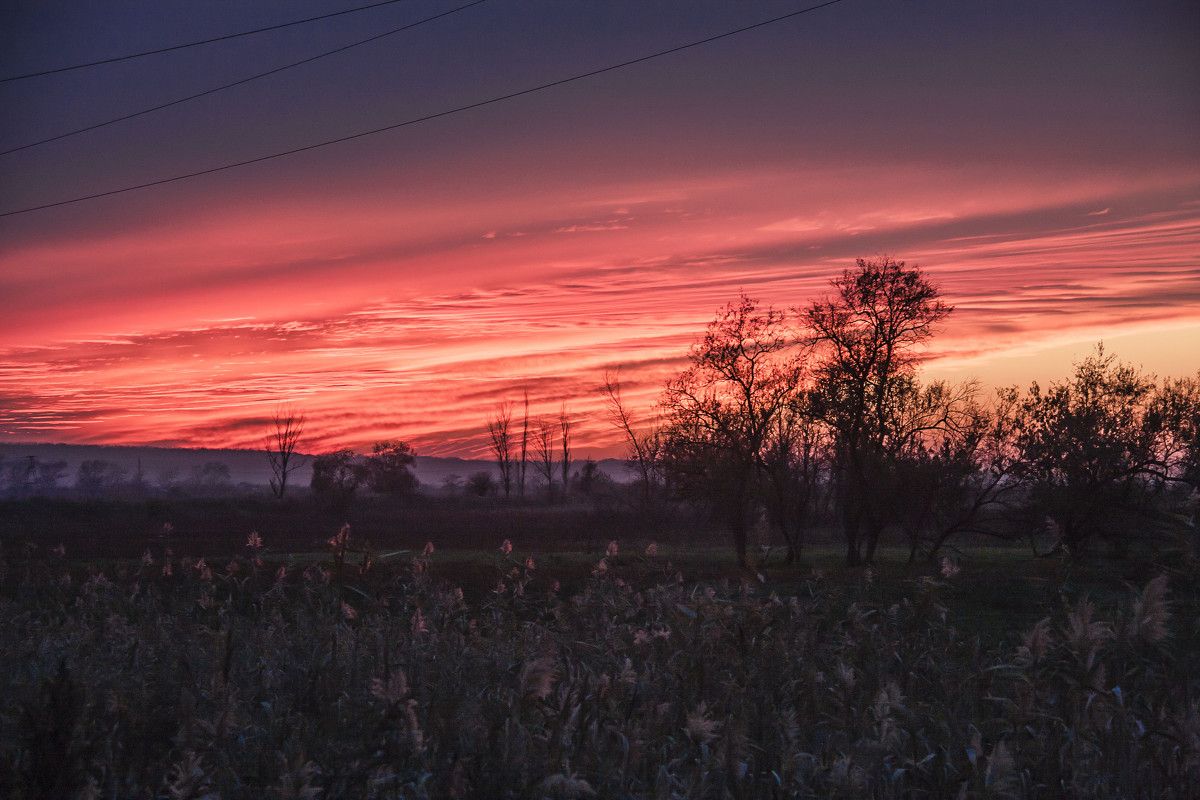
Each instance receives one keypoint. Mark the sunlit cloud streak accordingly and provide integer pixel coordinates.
(430, 366)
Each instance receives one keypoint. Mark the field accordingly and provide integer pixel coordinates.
(595, 664)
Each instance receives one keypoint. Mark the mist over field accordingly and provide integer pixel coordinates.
(249, 467)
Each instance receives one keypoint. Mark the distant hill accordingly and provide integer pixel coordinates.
(161, 465)
(158, 465)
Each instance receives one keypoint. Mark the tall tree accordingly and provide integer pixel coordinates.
(564, 438)
(282, 439)
(867, 333)
(499, 426)
(543, 449)
(524, 449)
(722, 410)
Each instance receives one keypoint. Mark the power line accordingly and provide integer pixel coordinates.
(428, 117)
(196, 44)
(237, 82)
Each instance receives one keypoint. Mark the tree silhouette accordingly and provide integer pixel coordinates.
(796, 458)
(96, 477)
(543, 450)
(866, 334)
(390, 469)
(643, 447)
(29, 477)
(48, 476)
(1088, 447)
(498, 431)
(281, 442)
(951, 460)
(564, 439)
(211, 478)
(722, 410)
(336, 477)
(1174, 416)
(524, 450)
(481, 484)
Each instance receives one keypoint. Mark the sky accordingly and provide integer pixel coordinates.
(1039, 161)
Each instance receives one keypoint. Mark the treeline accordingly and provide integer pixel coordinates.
(341, 476)
(98, 478)
(818, 415)
(338, 476)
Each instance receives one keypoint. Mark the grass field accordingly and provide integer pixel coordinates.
(609, 670)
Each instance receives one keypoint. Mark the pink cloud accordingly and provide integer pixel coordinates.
(412, 322)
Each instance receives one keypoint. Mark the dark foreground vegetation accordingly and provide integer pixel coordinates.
(217, 527)
(350, 673)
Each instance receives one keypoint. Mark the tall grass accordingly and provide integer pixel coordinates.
(359, 676)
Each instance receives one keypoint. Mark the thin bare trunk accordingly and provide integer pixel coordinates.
(498, 429)
(524, 450)
(543, 447)
(637, 445)
(564, 428)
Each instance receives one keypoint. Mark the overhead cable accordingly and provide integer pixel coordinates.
(226, 37)
(427, 117)
(214, 90)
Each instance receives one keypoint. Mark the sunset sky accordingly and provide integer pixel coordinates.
(1040, 160)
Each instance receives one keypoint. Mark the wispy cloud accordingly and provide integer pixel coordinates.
(418, 333)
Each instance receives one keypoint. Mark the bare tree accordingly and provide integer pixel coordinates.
(543, 448)
(564, 431)
(642, 448)
(498, 429)
(281, 443)
(524, 449)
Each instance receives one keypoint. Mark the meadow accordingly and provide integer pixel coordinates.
(242, 666)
